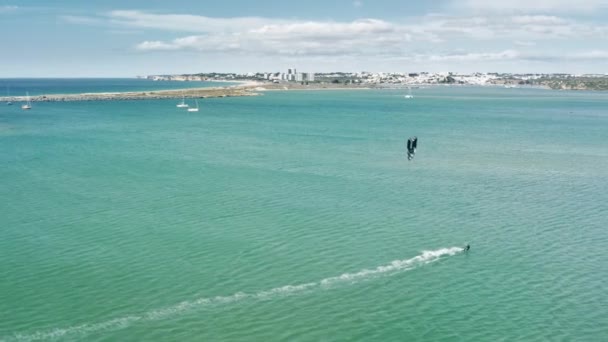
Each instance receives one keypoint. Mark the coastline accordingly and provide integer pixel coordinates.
(208, 92)
(314, 86)
(245, 88)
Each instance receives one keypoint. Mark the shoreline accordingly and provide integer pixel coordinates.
(244, 88)
(208, 92)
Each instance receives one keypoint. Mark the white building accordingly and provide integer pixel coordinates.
(304, 77)
(294, 76)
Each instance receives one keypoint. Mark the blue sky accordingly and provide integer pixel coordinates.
(69, 38)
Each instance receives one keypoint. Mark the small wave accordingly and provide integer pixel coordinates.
(119, 323)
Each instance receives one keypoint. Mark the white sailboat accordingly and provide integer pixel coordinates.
(194, 109)
(409, 93)
(183, 104)
(8, 102)
(28, 104)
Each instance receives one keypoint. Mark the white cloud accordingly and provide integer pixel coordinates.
(593, 55)
(590, 55)
(512, 57)
(524, 43)
(362, 37)
(76, 19)
(187, 22)
(157, 45)
(324, 30)
(473, 57)
(365, 36)
(359, 37)
(538, 20)
(8, 9)
(436, 28)
(462, 40)
(531, 6)
(517, 27)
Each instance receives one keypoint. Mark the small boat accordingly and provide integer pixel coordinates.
(409, 93)
(183, 104)
(28, 104)
(8, 102)
(194, 109)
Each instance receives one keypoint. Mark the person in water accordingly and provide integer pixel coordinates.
(466, 249)
(411, 147)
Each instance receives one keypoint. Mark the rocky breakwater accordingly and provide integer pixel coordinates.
(139, 95)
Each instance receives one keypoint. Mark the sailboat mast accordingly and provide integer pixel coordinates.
(8, 94)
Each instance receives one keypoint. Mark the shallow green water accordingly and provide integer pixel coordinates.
(296, 216)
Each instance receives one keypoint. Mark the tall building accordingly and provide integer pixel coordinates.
(305, 77)
(293, 75)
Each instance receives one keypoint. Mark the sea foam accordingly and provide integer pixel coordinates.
(395, 266)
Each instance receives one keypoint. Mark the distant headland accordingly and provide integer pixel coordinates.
(557, 81)
(251, 84)
(208, 92)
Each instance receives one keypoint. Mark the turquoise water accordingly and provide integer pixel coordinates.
(43, 86)
(295, 216)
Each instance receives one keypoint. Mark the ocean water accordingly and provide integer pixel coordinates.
(295, 216)
(43, 86)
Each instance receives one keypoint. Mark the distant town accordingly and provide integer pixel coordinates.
(386, 79)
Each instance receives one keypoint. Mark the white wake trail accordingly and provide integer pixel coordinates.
(119, 323)
(395, 266)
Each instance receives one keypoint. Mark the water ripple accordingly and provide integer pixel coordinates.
(186, 306)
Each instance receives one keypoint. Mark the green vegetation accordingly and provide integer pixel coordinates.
(449, 80)
(574, 83)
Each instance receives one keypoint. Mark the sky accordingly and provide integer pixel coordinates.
(112, 38)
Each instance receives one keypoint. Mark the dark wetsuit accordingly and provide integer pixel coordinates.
(412, 143)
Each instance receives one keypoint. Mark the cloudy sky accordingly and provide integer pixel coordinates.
(74, 38)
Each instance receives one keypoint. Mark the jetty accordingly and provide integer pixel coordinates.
(247, 89)
(199, 93)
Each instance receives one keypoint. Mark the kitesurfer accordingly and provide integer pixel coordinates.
(412, 143)
(466, 249)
